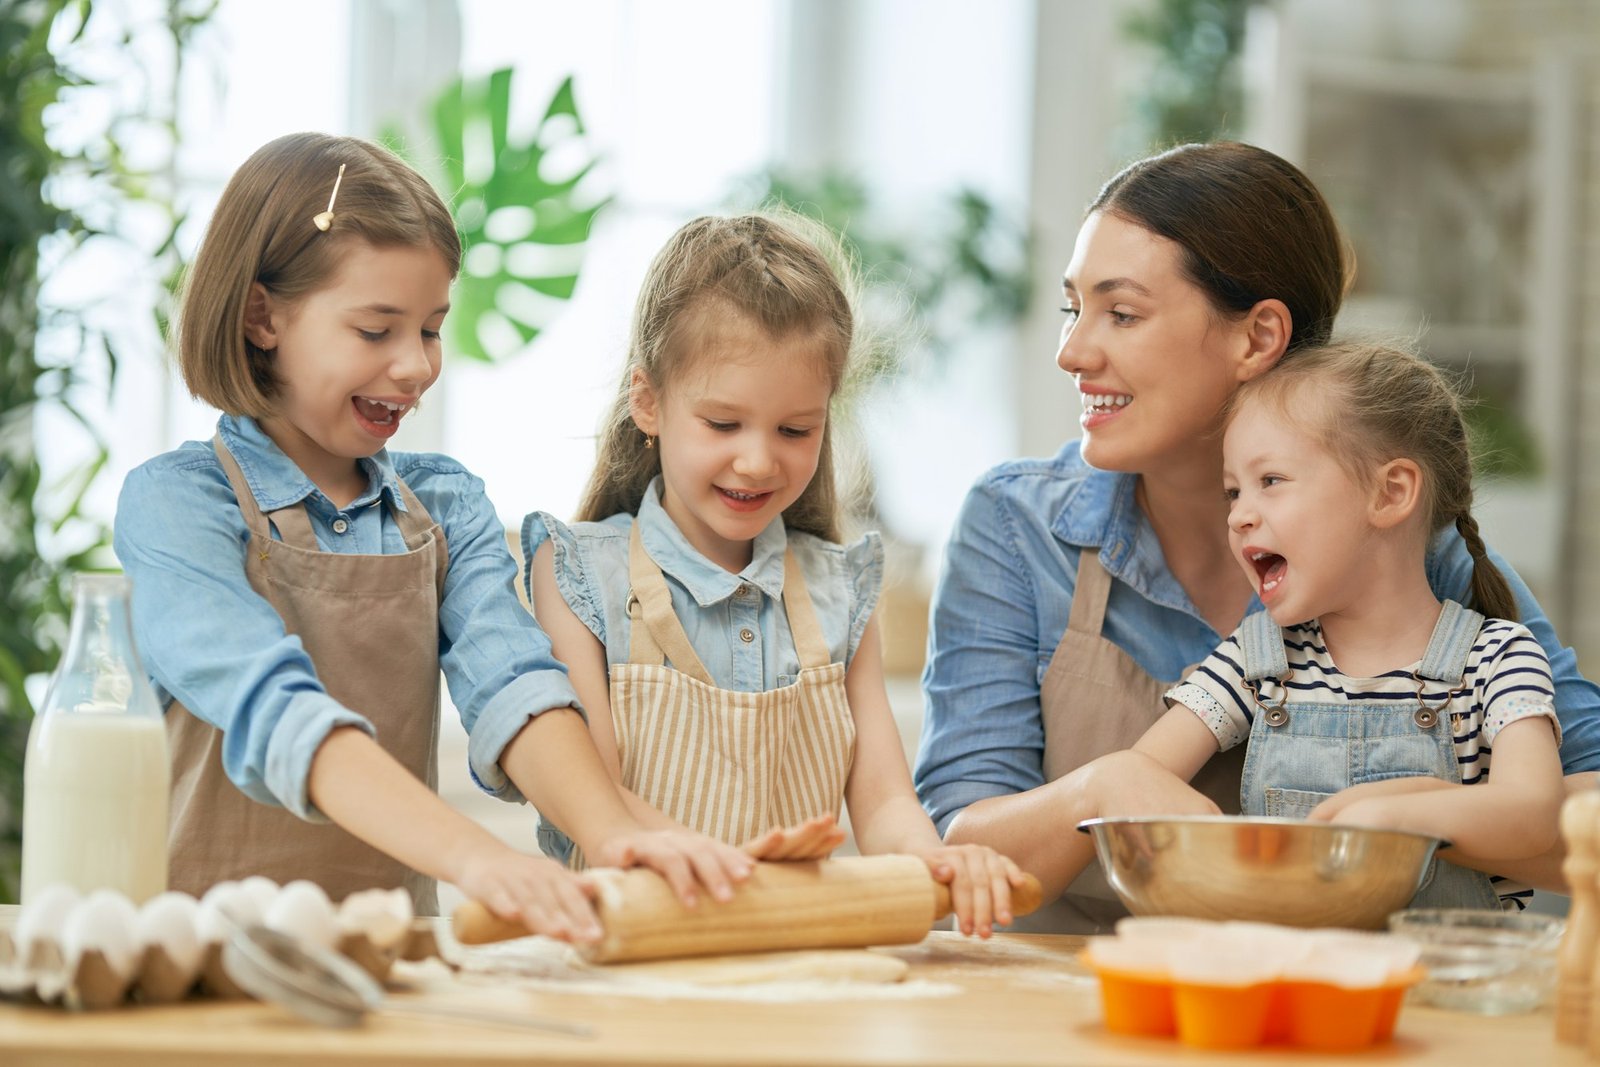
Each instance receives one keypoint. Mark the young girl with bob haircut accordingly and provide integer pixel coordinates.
(1362, 697)
(297, 588)
(717, 631)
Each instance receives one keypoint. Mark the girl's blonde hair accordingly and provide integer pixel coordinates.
(262, 231)
(787, 274)
(1374, 402)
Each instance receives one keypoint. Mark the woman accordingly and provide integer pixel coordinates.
(1076, 589)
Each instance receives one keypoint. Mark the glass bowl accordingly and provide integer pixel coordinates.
(1484, 962)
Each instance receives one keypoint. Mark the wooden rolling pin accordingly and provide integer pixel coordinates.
(842, 903)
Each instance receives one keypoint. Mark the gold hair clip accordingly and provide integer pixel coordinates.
(324, 219)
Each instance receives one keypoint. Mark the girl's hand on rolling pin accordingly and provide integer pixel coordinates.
(536, 891)
(980, 881)
(813, 839)
(687, 860)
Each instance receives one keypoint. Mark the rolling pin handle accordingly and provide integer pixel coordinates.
(1025, 898)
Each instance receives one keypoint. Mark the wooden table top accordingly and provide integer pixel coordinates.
(1019, 1000)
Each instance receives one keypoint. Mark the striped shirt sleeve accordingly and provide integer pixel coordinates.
(1516, 679)
(1216, 692)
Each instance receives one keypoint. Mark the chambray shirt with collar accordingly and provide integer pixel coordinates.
(1005, 594)
(715, 606)
(209, 640)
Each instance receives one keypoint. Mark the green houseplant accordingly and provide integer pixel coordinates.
(45, 532)
(524, 227)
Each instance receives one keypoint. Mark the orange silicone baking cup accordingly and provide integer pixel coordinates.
(1309, 1015)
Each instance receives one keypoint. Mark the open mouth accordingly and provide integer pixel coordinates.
(381, 418)
(380, 412)
(1270, 569)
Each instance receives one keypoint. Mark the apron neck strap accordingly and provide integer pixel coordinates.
(1089, 595)
(809, 644)
(656, 635)
(654, 629)
(416, 524)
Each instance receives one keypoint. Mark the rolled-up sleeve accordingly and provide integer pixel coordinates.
(497, 661)
(982, 734)
(181, 540)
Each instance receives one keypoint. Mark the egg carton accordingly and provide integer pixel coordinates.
(100, 951)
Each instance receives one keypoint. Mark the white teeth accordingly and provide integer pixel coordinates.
(1105, 401)
(1258, 557)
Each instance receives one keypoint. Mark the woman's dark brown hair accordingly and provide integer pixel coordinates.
(1252, 227)
(262, 231)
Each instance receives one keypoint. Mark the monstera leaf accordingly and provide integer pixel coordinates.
(521, 209)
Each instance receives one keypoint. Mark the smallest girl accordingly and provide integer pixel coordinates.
(1364, 699)
(718, 634)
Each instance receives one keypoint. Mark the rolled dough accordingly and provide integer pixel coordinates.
(811, 965)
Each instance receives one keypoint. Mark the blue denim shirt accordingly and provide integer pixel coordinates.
(212, 642)
(1005, 592)
(591, 567)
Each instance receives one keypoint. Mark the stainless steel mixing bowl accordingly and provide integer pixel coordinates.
(1265, 870)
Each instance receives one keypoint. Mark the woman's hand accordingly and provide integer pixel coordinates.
(980, 881)
(687, 860)
(536, 891)
(813, 839)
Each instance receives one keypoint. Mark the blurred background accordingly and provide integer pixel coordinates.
(955, 144)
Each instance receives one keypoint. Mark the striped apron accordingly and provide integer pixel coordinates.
(728, 764)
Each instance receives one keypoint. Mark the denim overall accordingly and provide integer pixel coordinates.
(1294, 754)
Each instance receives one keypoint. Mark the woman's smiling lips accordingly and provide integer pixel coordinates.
(741, 500)
(1100, 405)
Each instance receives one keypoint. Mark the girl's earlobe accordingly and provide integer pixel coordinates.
(1398, 493)
(642, 403)
(258, 328)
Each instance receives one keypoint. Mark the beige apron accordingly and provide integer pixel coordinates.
(371, 627)
(726, 763)
(1094, 700)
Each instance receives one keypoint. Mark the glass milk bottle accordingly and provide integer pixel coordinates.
(96, 776)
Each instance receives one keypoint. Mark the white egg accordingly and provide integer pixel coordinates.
(103, 921)
(261, 890)
(301, 909)
(43, 916)
(170, 920)
(382, 915)
(222, 910)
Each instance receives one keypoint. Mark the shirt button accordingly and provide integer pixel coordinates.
(340, 526)
(747, 635)
(742, 591)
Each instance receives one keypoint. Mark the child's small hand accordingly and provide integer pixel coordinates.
(813, 839)
(534, 890)
(684, 858)
(980, 881)
(1334, 808)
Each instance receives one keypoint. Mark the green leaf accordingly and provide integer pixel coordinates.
(474, 116)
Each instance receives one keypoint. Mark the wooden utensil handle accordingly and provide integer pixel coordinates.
(845, 902)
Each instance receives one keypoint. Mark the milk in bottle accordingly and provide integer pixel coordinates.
(96, 775)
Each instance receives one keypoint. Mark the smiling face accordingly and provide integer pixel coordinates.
(352, 357)
(1153, 361)
(740, 429)
(1298, 521)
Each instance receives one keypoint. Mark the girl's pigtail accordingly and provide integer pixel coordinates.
(1491, 594)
